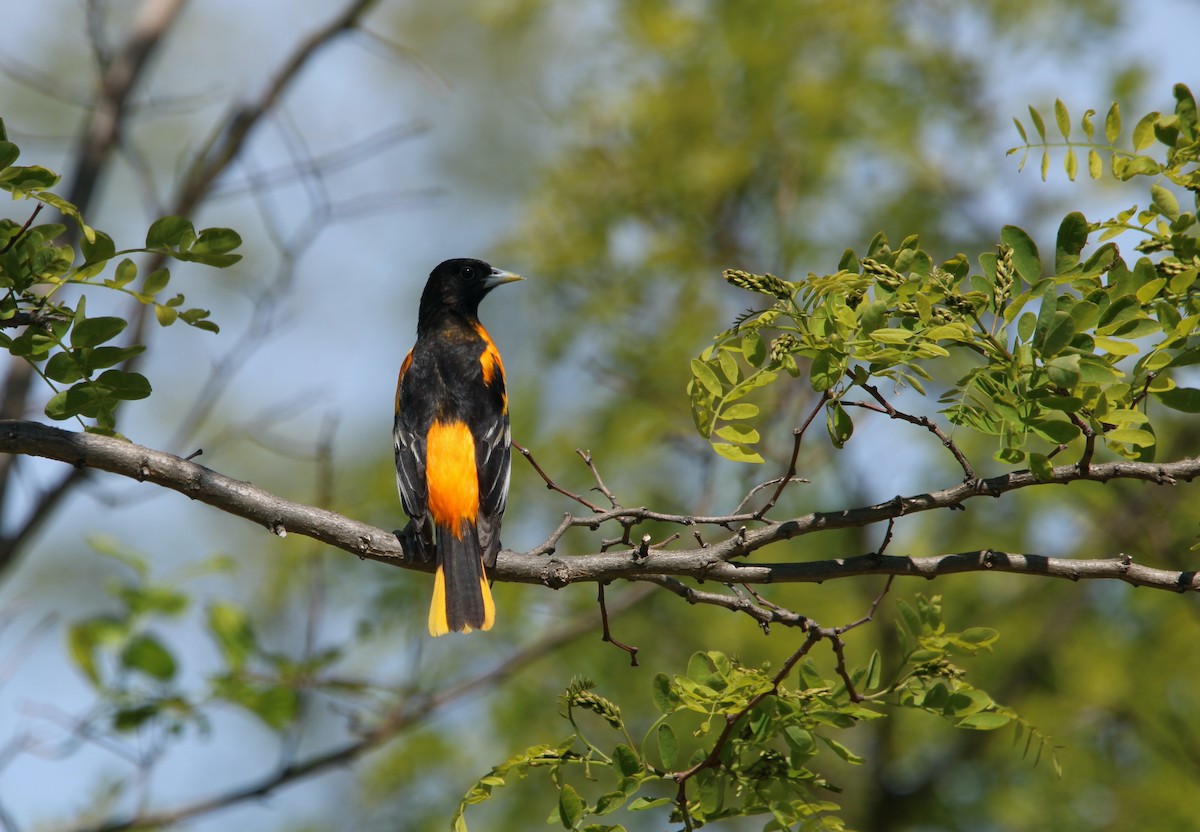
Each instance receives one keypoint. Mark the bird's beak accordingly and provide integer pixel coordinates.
(498, 277)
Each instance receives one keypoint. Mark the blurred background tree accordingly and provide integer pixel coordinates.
(621, 154)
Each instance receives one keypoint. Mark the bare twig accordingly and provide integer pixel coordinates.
(551, 484)
(586, 456)
(886, 408)
(798, 433)
(607, 634)
(37, 209)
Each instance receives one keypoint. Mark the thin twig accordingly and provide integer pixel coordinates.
(607, 634)
(37, 209)
(920, 421)
(798, 435)
(586, 456)
(551, 484)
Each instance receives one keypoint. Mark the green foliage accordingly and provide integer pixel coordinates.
(1061, 353)
(734, 741)
(134, 670)
(70, 351)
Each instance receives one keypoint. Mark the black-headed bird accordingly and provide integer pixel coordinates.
(452, 438)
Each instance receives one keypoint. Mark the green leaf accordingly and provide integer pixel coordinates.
(1143, 133)
(1164, 201)
(8, 154)
(167, 315)
(842, 751)
(1058, 335)
(99, 249)
(155, 282)
(1063, 118)
(668, 746)
(740, 411)
(626, 761)
(570, 806)
(987, 721)
(1038, 124)
(643, 803)
(663, 694)
(93, 331)
(1131, 436)
(1115, 347)
(216, 241)
(146, 654)
(889, 335)
(100, 357)
(825, 371)
(277, 706)
(1072, 237)
(729, 365)
(1025, 326)
(743, 434)
(705, 375)
(1040, 467)
(123, 385)
(839, 424)
(1024, 252)
(1064, 371)
(85, 636)
(754, 348)
(1055, 430)
(169, 232)
(737, 453)
(231, 630)
(64, 368)
(1112, 124)
(1071, 164)
(125, 273)
(1183, 399)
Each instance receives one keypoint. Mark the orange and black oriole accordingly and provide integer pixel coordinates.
(452, 441)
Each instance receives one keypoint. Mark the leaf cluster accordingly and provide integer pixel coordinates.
(735, 741)
(1058, 353)
(74, 354)
(135, 671)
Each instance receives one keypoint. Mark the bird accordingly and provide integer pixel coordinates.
(453, 443)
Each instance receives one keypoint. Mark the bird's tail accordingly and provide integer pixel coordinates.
(462, 599)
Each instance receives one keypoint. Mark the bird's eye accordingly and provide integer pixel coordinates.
(468, 272)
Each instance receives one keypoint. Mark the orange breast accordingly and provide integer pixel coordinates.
(450, 475)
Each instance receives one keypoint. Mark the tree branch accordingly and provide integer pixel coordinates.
(711, 562)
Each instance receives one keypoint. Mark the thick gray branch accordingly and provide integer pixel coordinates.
(713, 562)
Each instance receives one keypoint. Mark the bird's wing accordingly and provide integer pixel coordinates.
(410, 456)
(493, 461)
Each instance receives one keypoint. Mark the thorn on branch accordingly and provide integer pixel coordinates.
(643, 550)
(193, 455)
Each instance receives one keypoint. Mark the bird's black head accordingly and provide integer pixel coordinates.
(458, 286)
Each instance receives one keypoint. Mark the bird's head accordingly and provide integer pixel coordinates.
(459, 285)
